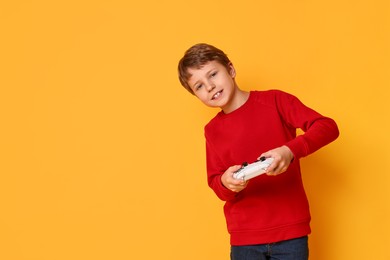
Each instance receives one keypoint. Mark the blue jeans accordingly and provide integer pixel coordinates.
(294, 249)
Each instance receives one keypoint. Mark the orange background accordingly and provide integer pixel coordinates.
(102, 150)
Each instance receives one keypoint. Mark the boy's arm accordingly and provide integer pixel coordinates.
(225, 186)
(215, 173)
(318, 130)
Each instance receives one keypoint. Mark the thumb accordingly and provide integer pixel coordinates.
(264, 156)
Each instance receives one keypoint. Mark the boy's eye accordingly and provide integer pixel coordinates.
(213, 74)
(198, 86)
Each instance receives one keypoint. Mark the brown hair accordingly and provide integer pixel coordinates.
(196, 57)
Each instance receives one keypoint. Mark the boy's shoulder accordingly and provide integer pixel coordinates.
(266, 96)
(269, 93)
(272, 97)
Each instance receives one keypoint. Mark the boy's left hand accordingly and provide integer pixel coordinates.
(282, 159)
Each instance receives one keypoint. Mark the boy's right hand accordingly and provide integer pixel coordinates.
(230, 182)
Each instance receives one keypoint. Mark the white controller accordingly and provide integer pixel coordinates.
(249, 171)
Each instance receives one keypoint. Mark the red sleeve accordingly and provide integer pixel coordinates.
(318, 130)
(214, 164)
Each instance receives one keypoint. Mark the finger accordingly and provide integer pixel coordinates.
(272, 168)
(234, 168)
(238, 188)
(235, 188)
(244, 183)
(278, 170)
(237, 182)
(264, 156)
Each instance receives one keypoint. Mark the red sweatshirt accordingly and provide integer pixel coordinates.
(270, 208)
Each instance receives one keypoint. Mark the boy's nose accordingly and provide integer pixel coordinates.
(210, 86)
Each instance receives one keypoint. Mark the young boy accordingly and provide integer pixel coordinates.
(268, 216)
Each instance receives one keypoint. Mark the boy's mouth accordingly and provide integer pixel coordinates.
(216, 95)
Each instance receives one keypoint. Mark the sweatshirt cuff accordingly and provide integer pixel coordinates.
(298, 147)
(222, 192)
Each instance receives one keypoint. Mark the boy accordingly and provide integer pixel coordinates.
(267, 217)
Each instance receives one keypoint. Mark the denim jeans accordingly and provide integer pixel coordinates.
(294, 249)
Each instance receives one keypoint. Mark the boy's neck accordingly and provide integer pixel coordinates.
(237, 100)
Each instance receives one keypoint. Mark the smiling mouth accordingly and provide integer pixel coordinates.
(217, 95)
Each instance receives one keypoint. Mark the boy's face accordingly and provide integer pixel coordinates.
(213, 84)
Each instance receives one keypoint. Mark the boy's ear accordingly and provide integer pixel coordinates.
(232, 70)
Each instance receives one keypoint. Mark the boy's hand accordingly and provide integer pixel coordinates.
(282, 159)
(230, 182)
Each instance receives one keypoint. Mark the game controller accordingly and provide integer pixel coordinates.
(249, 171)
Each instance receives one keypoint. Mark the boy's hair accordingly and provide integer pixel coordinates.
(197, 56)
